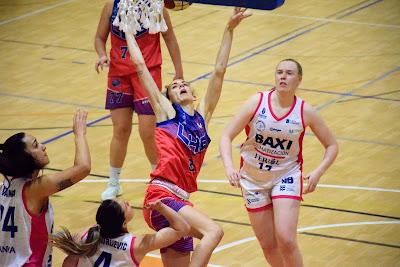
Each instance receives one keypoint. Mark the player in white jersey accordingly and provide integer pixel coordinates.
(109, 244)
(270, 176)
(26, 215)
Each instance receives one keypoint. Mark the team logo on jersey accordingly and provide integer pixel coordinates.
(260, 126)
(115, 82)
(195, 143)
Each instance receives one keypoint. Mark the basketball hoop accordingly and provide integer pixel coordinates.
(136, 15)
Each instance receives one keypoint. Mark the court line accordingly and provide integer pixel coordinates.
(297, 33)
(38, 11)
(315, 90)
(350, 93)
(51, 101)
(71, 131)
(351, 240)
(379, 25)
(299, 230)
(244, 58)
(139, 180)
(159, 257)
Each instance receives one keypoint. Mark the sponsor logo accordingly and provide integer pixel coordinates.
(260, 126)
(289, 121)
(288, 180)
(294, 131)
(115, 82)
(274, 129)
(274, 142)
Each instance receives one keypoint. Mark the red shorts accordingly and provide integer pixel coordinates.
(127, 91)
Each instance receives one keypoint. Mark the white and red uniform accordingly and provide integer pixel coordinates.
(271, 156)
(112, 253)
(23, 235)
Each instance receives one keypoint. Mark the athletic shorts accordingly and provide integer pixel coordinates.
(127, 91)
(157, 221)
(257, 198)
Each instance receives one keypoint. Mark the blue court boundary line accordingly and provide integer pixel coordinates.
(51, 101)
(242, 59)
(71, 131)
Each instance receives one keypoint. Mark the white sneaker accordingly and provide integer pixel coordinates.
(112, 191)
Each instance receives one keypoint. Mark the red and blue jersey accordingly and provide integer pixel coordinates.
(120, 62)
(181, 145)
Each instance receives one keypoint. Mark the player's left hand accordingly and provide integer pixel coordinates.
(311, 181)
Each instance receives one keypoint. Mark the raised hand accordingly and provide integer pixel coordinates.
(79, 123)
(239, 14)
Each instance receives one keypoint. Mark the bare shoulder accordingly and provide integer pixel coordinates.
(311, 115)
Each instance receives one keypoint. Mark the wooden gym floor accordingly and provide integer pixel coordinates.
(350, 52)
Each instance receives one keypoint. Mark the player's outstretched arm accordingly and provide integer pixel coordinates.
(162, 107)
(46, 185)
(207, 105)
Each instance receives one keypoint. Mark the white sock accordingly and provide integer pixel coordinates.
(114, 174)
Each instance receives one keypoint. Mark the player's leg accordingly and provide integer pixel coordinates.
(147, 125)
(260, 211)
(286, 197)
(286, 213)
(146, 116)
(119, 100)
(204, 228)
(262, 223)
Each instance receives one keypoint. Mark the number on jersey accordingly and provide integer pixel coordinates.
(7, 221)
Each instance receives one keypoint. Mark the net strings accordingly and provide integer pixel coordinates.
(137, 15)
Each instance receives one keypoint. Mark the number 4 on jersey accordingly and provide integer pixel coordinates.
(8, 224)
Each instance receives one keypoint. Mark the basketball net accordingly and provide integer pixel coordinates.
(136, 15)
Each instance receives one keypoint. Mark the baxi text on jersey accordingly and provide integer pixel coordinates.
(273, 142)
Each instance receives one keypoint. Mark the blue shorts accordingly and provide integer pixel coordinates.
(158, 221)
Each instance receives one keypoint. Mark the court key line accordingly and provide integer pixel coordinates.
(303, 229)
(134, 180)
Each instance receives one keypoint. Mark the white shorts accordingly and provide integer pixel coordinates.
(258, 198)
